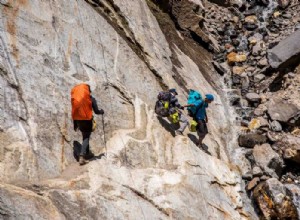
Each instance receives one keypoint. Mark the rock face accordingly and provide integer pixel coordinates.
(127, 55)
(286, 52)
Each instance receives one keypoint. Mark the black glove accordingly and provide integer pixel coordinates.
(182, 107)
(101, 111)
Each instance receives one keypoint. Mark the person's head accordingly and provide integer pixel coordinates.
(173, 91)
(209, 98)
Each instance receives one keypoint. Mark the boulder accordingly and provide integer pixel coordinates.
(253, 183)
(274, 136)
(272, 200)
(286, 53)
(283, 3)
(281, 110)
(251, 139)
(236, 3)
(222, 68)
(265, 2)
(252, 19)
(254, 124)
(263, 122)
(255, 38)
(238, 69)
(245, 81)
(259, 77)
(260, 110)
(276, 14)
(276, 126)
(290, 145)
(293, 191)
(256, 171)
(253, 97)
(268, 160)
(263, 62)
(258, 47)
(234, 57)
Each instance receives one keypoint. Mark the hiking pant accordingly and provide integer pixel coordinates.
(201, 130)
(85, 143)
(184, 122)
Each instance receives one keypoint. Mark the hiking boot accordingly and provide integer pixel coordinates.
(82, 161)
(178, 133)
(89, 155)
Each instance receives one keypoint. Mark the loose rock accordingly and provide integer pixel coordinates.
(290, 145)
(283, 3)
(234, 57)
(287, 52)
(250, 140)
(253, 183)
(276, 126)
(268, 159)
(282, 111)
(272, 200)
(257, 172)
(253, 97)
(293, 191)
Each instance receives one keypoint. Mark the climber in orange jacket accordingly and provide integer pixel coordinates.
(83, 105)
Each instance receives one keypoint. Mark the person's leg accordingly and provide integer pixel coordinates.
(85, 143)
(183, 123)
(201, 131)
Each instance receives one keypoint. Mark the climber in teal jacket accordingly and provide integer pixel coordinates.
(200, 116)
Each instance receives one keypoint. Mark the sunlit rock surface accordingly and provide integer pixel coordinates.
(46, 47)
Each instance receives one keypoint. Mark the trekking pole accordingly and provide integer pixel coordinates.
(104, 137)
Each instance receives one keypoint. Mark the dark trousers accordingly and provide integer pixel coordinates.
(201, 130)
(85, 148)
(85, 126)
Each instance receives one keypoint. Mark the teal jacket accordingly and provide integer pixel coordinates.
(201, 110)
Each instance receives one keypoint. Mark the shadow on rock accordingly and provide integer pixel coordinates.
(97, 157)
(195, 140)
(89, 156)
(205, 149)
(166, 125)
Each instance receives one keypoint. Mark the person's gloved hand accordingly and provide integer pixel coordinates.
(101, 111)
(182, 107)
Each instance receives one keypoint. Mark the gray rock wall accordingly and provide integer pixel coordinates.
(46, 47)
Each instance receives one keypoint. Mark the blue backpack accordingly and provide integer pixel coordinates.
(193, 98)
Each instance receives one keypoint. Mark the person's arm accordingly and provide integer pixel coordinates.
(206, 119)
(189, 105)
(95, 107)
(174, 102)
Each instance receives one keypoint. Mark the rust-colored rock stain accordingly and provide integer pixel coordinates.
(11, 14)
